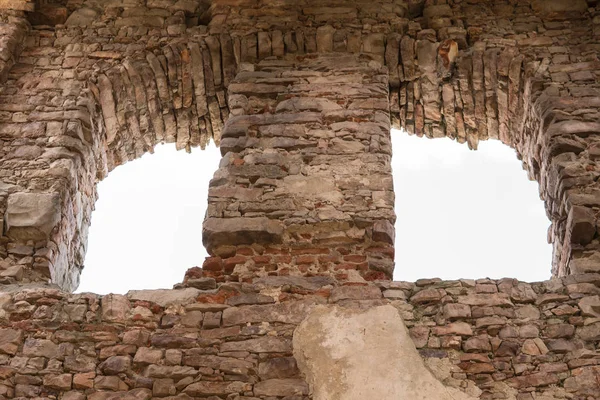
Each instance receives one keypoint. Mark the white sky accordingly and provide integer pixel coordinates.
(461, 214)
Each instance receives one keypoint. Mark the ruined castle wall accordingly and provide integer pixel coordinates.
(305, 184)
(295, 93)
(487, 338)
(109, 81)
(74, 84)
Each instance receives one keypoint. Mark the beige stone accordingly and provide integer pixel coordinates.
(32, 215)
(329, 345)
(165, 297)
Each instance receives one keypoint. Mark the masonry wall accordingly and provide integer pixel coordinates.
(295, 93)
(96, 86)
(489, 338)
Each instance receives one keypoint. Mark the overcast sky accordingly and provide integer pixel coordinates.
(461, 214)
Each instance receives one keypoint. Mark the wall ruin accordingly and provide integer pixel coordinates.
(300, 96)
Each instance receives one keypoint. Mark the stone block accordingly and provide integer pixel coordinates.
(221, 231)
(82, 17)
(115, 307)
(146, 355)
(31, 215)
(10, 339)
(574, 127)
(15, 271)
(60, 382)
(265, 344)
(164, 297)
(383, 231)
(205, 388)
(590, 306)
(40, 348)
(456, 311)
(589, 263)
(279, 367)
(582, 223)
(354, 293)
(553, 7)
(281, 387)
(495, 299)
(115, 365)
(163, 387)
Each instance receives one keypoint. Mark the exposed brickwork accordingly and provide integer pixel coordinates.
(504, 338)
(306, 174)
(111, 82)
(301, 97)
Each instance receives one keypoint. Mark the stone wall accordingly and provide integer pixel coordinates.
(104, 83)
(488, 338)
(300, 97)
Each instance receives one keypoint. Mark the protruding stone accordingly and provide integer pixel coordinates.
(384, 231)
(31, 215)
(590, 306)
(582, 223)
(219, 231)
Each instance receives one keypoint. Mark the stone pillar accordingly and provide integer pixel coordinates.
(305, 184)
(48, 161)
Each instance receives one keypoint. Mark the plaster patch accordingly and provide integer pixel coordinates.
(354, 354)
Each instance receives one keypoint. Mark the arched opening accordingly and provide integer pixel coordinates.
(466, 214)
(146, 230)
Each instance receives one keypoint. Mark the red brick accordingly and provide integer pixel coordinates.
(213, 274)
(234, 261)
(329, 258)
(193, 273)
(305, 259)
(311, 250)
(212, 264)
(343, 250)
(262, 259)
(386, 251)
(274, 250)
(245, 251)
(355, 258)
(375, 276)
(344, 266)
(282, 259)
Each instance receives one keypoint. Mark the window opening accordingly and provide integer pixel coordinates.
(146, 230)
(466, 214)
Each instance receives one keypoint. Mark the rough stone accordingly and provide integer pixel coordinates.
(31, 215)
(330, 337)
(165, 297)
